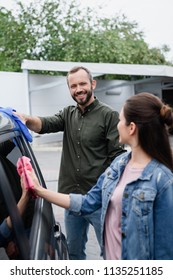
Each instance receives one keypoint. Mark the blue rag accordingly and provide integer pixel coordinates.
(9, 111)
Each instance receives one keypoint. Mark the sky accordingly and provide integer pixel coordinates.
(154, 17)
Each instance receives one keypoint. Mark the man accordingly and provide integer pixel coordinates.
(90, 143)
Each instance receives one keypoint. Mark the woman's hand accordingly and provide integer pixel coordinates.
(36, 187)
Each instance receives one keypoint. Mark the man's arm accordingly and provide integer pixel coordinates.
(33, 123)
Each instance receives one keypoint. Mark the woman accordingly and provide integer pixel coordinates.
(136, 191)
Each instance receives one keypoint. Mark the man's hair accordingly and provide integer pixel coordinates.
(76, 69)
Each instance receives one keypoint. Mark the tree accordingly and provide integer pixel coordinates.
(59, 30)
(15, 42)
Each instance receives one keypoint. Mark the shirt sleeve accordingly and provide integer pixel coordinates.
(88, 203)
(53, 123)
(75, 202)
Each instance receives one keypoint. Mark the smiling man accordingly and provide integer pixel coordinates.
(81, 86)
(90, 143)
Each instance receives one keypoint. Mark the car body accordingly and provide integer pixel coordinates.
(37, 236)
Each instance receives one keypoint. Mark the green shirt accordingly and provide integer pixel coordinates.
(90, 143)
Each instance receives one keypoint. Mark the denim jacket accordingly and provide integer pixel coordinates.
(147, 209)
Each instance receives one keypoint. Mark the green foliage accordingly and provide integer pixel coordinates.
(59, 30)
(15, 42)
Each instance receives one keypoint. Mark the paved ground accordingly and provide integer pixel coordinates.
(48, 157)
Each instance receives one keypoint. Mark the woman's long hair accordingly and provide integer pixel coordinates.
(153, 118)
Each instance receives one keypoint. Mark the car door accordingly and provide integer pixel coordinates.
(36, 234)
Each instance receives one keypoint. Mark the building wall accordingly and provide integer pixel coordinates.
(48, 94)
(13, 91)
(152, 87)
(114, 92)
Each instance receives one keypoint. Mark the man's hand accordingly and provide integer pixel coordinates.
(33, 123)
(21, 116)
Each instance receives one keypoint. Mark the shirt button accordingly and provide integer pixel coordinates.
(77, 169)
(126, 195)
(78, 156)
(78, 128)
(78, 143)
(123, 235)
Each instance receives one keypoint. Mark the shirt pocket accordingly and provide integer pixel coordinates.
(142, 201)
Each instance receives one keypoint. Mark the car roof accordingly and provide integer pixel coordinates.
(10, 123)
(7, 123)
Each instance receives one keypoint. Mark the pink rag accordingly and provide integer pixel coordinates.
(24, 165)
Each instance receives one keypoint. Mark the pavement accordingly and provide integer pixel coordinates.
(48, 157)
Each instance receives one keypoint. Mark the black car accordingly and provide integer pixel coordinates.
(36, 235)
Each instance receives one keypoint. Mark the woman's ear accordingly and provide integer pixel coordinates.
(132, 128)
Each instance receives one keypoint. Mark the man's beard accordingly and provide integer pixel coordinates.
(88, 95)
